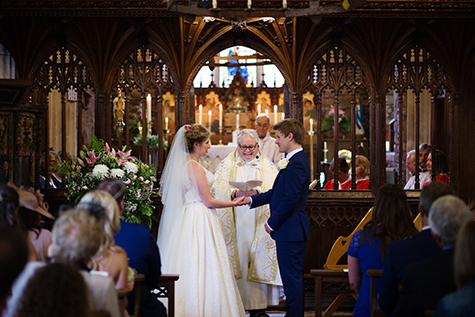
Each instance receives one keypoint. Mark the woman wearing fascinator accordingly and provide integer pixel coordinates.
(110, 258)
(190, 237)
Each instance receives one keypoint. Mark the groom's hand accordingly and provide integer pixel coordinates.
(268, 229)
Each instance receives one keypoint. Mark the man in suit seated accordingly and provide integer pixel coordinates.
(142, 251)
(425, 283)
(401, 253)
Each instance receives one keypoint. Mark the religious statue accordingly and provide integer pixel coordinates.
(119, 111)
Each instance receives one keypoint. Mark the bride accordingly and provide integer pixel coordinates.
(190, 237)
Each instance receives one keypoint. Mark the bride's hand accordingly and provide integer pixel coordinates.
(242, 201)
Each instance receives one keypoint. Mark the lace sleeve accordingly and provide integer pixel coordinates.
(354, 243)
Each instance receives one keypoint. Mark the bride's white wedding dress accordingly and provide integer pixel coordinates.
(206, 286)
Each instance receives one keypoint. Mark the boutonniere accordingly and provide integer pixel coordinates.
(283, 162)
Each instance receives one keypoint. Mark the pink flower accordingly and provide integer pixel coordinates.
(123, 155)
(107, 149)
(81, 162)
(92, 158)
(120, 162)
(187, 127)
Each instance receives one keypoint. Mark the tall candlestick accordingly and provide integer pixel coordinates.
(215, 4)
(149, 113)
(284, 4)
(283, 115)
(237, 121)
(249, 3)
(259, 109)
(267, 112)
(166, 123)
(209, 120)
(220, 115)
(275, 114)
(311, 124)
(201, 114)
(311, 151)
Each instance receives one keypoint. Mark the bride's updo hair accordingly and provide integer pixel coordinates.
(196, 133)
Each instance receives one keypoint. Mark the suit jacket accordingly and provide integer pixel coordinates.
(458, 304)
(287, 200)
(425, 283)
(143, 254)
(400, 254)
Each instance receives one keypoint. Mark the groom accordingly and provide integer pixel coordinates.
(288, 223)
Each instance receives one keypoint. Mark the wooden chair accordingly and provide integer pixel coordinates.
(122, 297)
(139, 278)
(375, 309)
(418, 222)
(166, 289)
(335, 273)
(100, 313)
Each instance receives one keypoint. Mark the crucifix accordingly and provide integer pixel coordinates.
(237, 108)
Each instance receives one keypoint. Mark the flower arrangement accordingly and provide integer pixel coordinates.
(153, 142)
(97, 162)
(343, 122)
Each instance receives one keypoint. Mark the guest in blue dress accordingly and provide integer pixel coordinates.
(461, 303)
(391, 220)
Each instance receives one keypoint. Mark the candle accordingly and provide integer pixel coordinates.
(259, 109)
(267, 112)
(201, 114)
(215, 4)
(275, 114)
(166, 123)
(249, 3)
(237, 121)
(149, 110)
(283, 115)
(311, 124)
(325, 145)
(209, 120)
(220, 115)
(284, 4)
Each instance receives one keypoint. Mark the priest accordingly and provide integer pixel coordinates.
(251, 250)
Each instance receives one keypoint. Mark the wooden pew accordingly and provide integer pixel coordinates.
(166, 289)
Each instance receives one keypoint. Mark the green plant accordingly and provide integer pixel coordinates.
(328, 121)
(96, 162)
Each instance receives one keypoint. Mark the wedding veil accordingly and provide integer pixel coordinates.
(172, 191)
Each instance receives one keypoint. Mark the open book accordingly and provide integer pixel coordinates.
(246, 186)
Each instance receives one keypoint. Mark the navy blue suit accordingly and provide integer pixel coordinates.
(143, 254)
(400, 254)
(289, 220)
(424, 284)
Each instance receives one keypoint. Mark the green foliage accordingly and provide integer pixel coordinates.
(97, 162)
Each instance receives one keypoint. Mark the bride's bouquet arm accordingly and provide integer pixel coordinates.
(203, 190)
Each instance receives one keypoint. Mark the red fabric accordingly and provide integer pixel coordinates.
(346, 185)
(441, 178)
(364, 184)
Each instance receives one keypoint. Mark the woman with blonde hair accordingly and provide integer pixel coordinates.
(110, 258)
(362, 172)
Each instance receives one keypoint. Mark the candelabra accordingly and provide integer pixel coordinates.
(311, 134)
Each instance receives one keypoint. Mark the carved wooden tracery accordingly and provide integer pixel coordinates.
(146, 71)
(337, 71)
(417, 69)
(64, 71)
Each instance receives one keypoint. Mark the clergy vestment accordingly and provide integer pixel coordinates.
(251, 250)
(424, 177)
(270, 149)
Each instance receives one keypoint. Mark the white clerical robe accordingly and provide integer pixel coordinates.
(251, 250)
(270, 149)
(424, 177)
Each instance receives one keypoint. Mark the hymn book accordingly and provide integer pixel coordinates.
(246, 186)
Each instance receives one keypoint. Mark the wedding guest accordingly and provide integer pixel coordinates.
(344, 178)
(77, 236)
(13, 258)
(403, 252)
(111, 258)
(425, 283)
(55, 179)
(30, 213)
(251, 250)
(390, 221)
(267, 143)
(362, 172)
(190, 236)
(55, 290)
(8, 214)
(437, 166)
(461, 303)
(142, 252)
